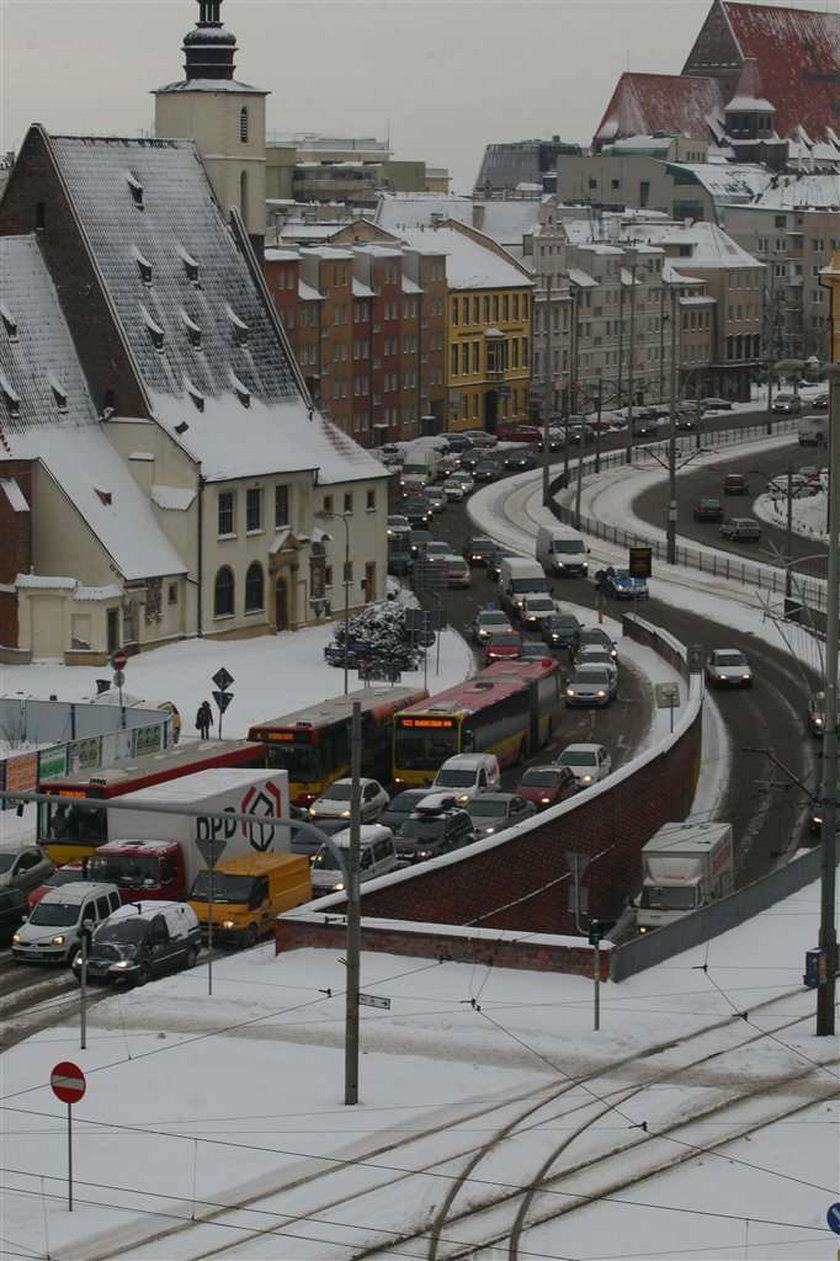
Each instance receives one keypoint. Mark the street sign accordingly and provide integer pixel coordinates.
(833, 1218)
(222, 699)
(119, 678)
(222, 679)
(211, 845)
(118, 659)
(373, 1000)
(667, 695)
(68, 1082)
(640, 562)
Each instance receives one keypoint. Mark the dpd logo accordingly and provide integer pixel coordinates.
(266, 802)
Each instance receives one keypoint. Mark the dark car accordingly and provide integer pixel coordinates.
(487, 469)
(459, 443)
(308, 843)
(533, 650)
(520, 461)
(493, 812)
(13, 909)
(428, 833)
(402, 806)
(480, 550)
(708, 510)
(559, 629)
(418, 510)
(141, 941)
(816, 714)
(546, 785)
(735, 484)
(469, 460)
(592, 636)
(716, 405)
(820, 403)
(417, 541)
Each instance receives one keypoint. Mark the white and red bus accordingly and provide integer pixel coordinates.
(511, 709)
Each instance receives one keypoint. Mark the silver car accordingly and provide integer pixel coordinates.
(591, 685)
(25, 868)
(727, 667)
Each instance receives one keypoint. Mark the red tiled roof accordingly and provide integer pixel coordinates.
(798, 53)
(645, 103)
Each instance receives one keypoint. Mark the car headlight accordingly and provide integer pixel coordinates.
(77, 962)
(570, 691)
(228, 923)
(746, 676)
(59, 940)
(313, 811)
(338, 887)
(15, 938)
(463, 797)
(345, 814)
(818, 722)
(601, 693)
(586, 779)
(424, 853)
(121, 965)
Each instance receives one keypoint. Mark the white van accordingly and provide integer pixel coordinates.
(517, 578)
(52, 934)
(562, 551)
(468, 774)
(421, 464)
(377, 856)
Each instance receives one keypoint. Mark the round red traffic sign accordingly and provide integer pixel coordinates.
(68, 1082)
(118, 659)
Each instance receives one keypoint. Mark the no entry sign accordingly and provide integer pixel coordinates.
(68, 1082)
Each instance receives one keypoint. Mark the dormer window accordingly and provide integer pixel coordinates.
(156, 334)
(241, 391)
(241, 330)
(190, 265)
(10, 397)
(193, 330)
(9, 322)
(243, 125)
(136, 189)
(196, 396)
(143, 266)
(59, 393)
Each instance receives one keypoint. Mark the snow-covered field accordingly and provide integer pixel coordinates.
(231, 1108)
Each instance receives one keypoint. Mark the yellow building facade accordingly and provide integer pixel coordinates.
(488, 356)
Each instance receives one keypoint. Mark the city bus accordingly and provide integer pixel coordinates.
(511, 709)
(313, 744)
(69, 833)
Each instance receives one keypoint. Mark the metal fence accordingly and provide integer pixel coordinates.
(768, 578)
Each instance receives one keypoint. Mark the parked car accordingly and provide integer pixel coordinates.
(13, 910)
(142, 941)
(488, 622)
(787, 404)
(494, 812)
(622, 585)
(735, 484)
(502, 646)
(377, 856)
(547, 785)
(517, 431)
(728, 667)
(403, 804)
(590, 685)
(434, 828)
(592, 635)
(519, 461)
(24, 868)
(480, 437)
(53, 931)
(334, 802)
(457, 571)
(716, 405)
(741, 530)
(480, 550)
(459, 442)
(559, 629)
(589, 763)
(708, 510)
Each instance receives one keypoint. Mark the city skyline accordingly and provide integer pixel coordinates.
(61, 61)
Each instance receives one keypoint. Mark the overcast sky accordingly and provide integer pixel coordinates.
(442, 77)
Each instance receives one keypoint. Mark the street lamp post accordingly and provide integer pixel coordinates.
(344, 518)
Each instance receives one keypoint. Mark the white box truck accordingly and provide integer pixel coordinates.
(812, 431)
(684, 866)
(157, 854)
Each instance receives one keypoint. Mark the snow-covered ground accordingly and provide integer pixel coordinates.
(230, 1107)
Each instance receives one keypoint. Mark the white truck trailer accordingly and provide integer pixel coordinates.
(684, 866)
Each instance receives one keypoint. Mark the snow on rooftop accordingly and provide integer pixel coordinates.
(710, 245)
(729, 181)
(174, 498)
(469, 264)
(14, 495)
(398, 212)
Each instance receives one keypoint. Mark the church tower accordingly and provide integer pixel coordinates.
(224, 117)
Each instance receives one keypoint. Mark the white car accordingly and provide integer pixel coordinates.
(453, 489)
(589, 763)
(535, 609)
(468, 774)
(728, 667)
(335, 802)
(595, 655)
(397, 525)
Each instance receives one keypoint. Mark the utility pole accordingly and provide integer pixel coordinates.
(546, 397)
(789, 537)
(598, 426)
(631, 358)
(354, 914)
(828, 932)
(671, 532)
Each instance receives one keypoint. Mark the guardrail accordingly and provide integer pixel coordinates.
(766, 577)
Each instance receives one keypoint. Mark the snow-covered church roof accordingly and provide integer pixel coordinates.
(192, 304)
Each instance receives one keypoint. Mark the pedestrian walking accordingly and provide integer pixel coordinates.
(204, 719)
